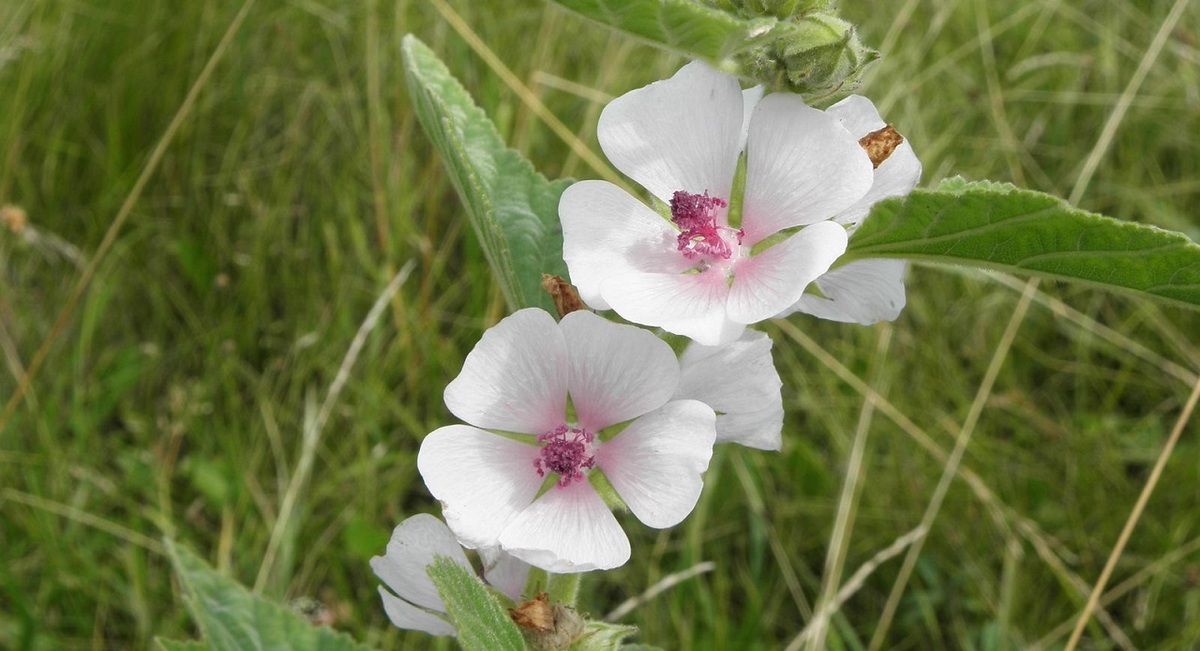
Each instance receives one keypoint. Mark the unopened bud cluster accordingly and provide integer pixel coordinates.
(810, 51)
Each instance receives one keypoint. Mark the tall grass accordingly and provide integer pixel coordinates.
(174, 401)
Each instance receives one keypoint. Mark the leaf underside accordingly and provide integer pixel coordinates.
(230, 618)
(683, 26)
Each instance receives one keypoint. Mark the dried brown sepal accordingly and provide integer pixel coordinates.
(880, 144)
(547, 627)
(565, 296)
(14, 218)
(535, 614)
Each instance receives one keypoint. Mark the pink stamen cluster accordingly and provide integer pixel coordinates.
(696, 216)
(565, 453)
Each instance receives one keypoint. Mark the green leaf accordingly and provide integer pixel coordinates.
(602, 636)
(997, 226)
(230, 618)
(180, 645)
(513, 209)
(683, 26)
(482, 623)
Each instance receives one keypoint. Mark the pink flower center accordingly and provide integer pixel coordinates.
(701, 235)
(566, 453)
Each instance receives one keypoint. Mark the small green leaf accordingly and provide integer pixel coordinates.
(601, 636)
(232, 619)
(482, 623)
(812, 53)
(997, 226)
(513, 209)
(683, 26)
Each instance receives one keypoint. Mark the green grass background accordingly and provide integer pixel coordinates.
(173, 401)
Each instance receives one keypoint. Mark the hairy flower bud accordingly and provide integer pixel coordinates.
(815, 55)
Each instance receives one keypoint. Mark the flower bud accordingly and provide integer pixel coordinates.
(816, 55)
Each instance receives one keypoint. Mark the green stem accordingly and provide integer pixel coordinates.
(563, 588)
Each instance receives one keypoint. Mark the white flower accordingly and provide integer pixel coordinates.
(872, 290)
(413, 602)
(563, 400)
(697, 274)
(739, 381)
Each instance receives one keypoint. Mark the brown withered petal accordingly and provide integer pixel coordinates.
(880, 144)
(535, 614)
(547, 627)
(565, 296)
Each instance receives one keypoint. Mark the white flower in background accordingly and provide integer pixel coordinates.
(696, 274)
(739, 381)
(872, 290)
(413, 601)
(564, 400)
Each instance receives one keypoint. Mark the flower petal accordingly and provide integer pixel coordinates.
(618, 372)
(483, 480)
(407, 616)
(568, 530)
(655, 464)
(739, 381)
(802, 167)
(504, 572)
(858, 114)
(515, 379)
(681, 133)
(863, 292)
(412, 548)
(750, 99)
(767, 283)
(692, 305)
(606, 231)
(895, 177)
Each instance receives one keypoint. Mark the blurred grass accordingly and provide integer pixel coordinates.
(174, 401)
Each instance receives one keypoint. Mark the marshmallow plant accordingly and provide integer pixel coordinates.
(754, 197)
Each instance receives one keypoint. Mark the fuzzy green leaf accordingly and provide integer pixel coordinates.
(602, 636)
(482, 623)
(230, 618)
(513, 208)
(997, 226)
(683, 26)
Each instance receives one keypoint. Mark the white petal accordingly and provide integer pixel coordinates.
(739, 381)
(692, 305)
(858, 115)
(412, 548)
(407, 616)
(515, 379)
(750, 98)
(802, 167)
(655, 464)
(618, 372)
(768, 282)
(681, 133)
(607, 232)
(504, 572)
(483, 480)
(568, 530)
(895, 177)
(863, 292)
